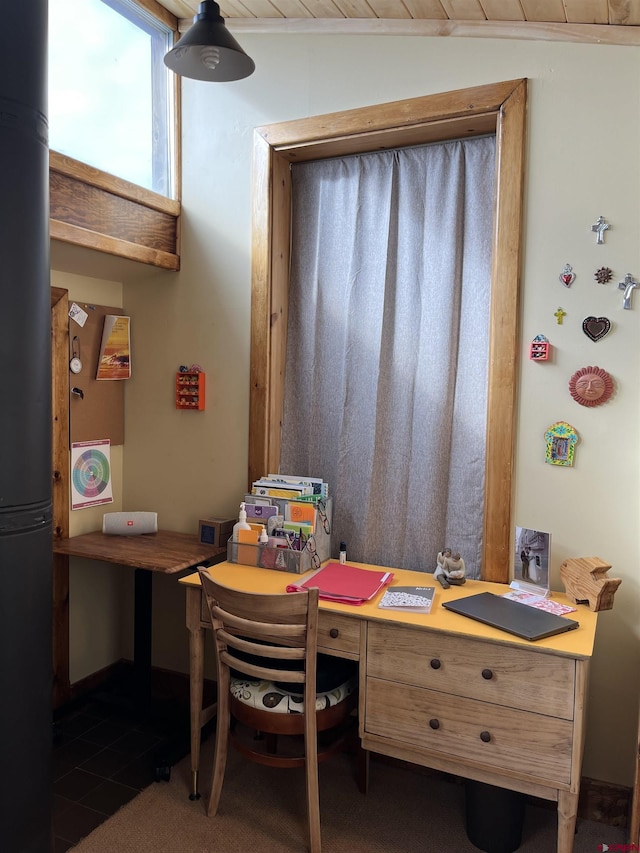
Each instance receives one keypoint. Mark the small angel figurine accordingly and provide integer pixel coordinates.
(450, 568)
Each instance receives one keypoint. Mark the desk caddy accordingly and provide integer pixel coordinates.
(317, 549)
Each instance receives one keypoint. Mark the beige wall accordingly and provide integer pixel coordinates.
(582, 161)
(96, 595)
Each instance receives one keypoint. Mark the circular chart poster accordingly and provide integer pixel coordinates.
(90, 474)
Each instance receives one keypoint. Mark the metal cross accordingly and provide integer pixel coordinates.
(628, 285)
(559, 315)
(599, 227)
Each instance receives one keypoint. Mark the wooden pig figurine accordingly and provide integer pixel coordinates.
(586, 582)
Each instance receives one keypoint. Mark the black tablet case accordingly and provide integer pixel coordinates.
(511, 616)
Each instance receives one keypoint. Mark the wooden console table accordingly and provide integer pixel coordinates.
(443, 691)
(166, 552)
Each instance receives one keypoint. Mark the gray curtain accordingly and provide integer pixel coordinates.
(387, 347)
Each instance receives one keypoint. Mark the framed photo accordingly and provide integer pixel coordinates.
(532, 552)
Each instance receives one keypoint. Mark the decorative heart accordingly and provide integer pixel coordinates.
(596, 327)
(567, 276)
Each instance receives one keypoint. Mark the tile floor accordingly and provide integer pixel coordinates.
(103, 756)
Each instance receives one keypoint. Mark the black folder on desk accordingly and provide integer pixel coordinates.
(511, 616)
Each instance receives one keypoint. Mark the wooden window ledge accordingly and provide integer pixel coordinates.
(96, 210)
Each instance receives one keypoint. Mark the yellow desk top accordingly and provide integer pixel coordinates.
(576, 644)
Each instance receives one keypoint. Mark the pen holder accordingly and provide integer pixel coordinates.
(266, 557)
(287, 559)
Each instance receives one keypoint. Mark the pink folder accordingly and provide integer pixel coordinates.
(344, 583)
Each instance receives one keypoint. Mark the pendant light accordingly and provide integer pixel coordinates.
(208, 51)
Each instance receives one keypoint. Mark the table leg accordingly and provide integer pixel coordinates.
(567, 813)
(196, 680)
(142, 638)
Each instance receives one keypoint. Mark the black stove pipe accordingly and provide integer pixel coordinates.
(25, 434)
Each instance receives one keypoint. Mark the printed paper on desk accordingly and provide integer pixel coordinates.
(412, 599)
(344, 583)
(540, 602)
(301, 512)
(305, 529)
(317, 484)
(259, 511)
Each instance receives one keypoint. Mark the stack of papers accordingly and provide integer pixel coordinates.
(344, 583)
(541, 602)
(290, 487)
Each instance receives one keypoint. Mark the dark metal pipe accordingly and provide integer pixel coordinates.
(25, 434)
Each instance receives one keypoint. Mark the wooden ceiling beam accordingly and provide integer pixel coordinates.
(525, 30)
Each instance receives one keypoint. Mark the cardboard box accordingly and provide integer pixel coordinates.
(215, 531)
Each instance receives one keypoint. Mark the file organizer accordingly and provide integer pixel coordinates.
(285, 559)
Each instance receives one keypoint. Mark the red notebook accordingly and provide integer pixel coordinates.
(344, 583)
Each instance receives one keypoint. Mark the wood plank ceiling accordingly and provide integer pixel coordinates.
(596, 21)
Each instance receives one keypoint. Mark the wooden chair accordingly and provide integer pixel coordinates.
(266, 647)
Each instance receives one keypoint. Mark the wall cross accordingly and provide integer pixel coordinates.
(628, 285)
(599, 227)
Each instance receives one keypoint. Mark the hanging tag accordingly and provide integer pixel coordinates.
(75, 365)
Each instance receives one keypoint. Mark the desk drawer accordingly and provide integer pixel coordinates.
(500, 674)
(502, 738)
(339, 634)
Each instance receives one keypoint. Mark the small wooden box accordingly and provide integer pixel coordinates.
(215, 531)
(539, 350)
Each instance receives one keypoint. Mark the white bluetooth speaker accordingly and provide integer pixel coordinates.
(129, 523)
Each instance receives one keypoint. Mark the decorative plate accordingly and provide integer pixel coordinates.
(591, 386)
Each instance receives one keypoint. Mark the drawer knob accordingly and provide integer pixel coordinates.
(334, 633)
(485, 737)
(435, 724)
(435, 663)
(486, 673)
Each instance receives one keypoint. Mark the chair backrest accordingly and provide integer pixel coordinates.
(265, 628)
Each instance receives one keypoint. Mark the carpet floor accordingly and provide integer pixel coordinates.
(263, 809)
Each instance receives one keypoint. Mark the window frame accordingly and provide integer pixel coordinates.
(498, 108)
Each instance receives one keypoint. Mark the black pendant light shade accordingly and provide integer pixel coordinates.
(208, 51)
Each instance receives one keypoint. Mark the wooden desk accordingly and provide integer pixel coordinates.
(442, 690)
(166, 552)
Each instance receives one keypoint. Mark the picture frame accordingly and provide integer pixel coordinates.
(532, 557)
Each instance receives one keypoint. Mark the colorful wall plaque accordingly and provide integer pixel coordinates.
(539, 348)
(561, 440)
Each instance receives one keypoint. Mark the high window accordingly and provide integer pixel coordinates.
(111, 98)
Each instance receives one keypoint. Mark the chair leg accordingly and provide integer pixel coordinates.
(311, 773)
(272, 743)
(222, 745)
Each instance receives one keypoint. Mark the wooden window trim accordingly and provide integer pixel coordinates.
(499, 107)
(91, 208)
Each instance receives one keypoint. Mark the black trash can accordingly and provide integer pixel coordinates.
(494, 817)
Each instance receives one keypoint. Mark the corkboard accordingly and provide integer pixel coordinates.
(100, 413)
